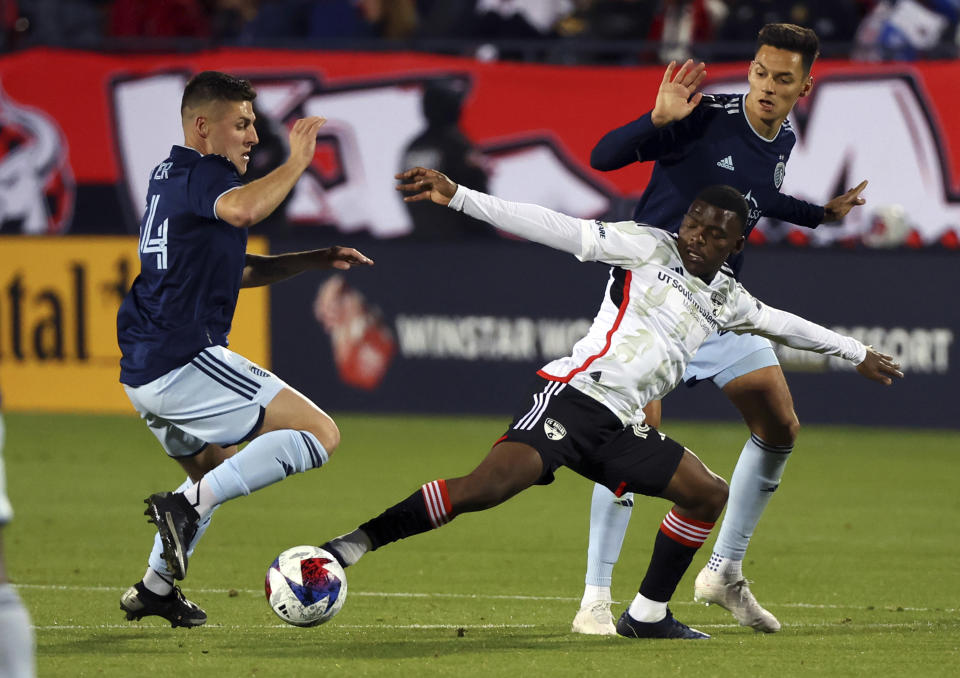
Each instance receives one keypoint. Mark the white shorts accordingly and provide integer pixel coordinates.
(724, 357)
(218, 397)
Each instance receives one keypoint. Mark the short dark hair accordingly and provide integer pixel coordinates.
(726, 198)
(792, 38)
(215, 86)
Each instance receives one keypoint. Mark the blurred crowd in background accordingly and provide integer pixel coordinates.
(573, 31)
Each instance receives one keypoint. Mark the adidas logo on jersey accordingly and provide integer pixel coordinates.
(726, 163)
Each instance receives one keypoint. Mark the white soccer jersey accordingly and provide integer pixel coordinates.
(654, 315)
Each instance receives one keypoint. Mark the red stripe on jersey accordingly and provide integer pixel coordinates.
(606, 347)
(621, 488)
(499, 440)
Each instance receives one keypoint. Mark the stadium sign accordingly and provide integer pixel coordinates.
(58, 317)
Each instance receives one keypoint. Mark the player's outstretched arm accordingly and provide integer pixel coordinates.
(837, 209)
(254, 202)
(879, 367)
(264, 270)
(532, 222)
(796, 332)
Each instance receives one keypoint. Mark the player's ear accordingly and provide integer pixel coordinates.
(807, 86)
(201, 126)
(738, 246)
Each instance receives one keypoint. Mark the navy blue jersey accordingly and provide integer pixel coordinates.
(191, 264)
(715, 144)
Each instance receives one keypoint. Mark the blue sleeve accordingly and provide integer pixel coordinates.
(795, 211)
(210, 178)
(640, 140)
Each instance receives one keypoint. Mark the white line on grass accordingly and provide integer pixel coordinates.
(484, 596)
(247, 627)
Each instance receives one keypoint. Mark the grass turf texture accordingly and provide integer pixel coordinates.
(857, 556)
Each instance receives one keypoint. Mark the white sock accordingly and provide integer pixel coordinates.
(609, 517)
(352, 546)
(157, 583)
(731, 570)
(645, 610)
(593, 593)
(754, 480)
(201, 497)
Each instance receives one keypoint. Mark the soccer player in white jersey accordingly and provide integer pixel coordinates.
(695, 140)
(200, 399)
(16, 634)
(666, 295)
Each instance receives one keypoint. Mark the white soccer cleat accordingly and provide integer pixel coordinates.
(734, 596)
(595, 619)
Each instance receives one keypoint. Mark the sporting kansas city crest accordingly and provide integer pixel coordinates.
(553, 429)
(718, 301)
(778, 173)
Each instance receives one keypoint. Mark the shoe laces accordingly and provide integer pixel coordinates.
(600, 609)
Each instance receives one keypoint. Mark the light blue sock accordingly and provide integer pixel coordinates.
(17, 643)
(609, 517)
(163, 584)
(755, 478)
(268, 459)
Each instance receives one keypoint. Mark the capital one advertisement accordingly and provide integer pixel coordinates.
(456, 317)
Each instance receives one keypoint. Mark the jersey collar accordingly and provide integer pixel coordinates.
(743, 110)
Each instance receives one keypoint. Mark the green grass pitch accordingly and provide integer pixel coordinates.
(858, 555)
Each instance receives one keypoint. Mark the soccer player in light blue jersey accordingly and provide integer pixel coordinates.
(199, 398)
(16, 634)
(742, 140)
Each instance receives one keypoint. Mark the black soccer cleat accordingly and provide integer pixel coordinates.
(177, 523)
(668, 627)
(138, 603)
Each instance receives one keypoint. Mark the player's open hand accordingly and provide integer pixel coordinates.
(879, 367)
(303, 140)
(344, 258)
(837, 208)
(678, 95)
(426, 184)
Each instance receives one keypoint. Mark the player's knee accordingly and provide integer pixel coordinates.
(783, 431)
(715, 498)
(328, 433)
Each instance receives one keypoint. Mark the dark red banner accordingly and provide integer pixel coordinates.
(80, 131)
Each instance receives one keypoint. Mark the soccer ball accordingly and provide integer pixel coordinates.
(305, 586)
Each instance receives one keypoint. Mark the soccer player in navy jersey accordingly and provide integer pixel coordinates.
(665, 297)
(200, 399)
(695, 140)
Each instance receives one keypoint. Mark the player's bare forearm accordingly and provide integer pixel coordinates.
(268, 269)
(257, 200)
(254, 202)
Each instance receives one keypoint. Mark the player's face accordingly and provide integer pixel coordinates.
(231, 132)
(776, 81)
(707, 236)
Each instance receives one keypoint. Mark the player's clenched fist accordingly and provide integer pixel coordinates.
(426, 184)
(303, 139)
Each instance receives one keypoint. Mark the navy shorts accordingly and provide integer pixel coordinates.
(569, 428)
